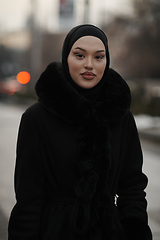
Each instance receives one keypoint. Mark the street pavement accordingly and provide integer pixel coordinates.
(151, 168)
(9, 122)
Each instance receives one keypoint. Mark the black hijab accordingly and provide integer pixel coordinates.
(74, 34)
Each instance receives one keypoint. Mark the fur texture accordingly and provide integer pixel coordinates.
(93, 122)
(61, 98)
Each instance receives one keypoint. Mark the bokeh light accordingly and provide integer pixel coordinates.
(23, 77)
(9, 87)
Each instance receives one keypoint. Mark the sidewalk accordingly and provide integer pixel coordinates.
(3, 225)
(149, 128)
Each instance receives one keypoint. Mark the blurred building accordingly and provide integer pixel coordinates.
(22, 22)
(29, 29)
(59, 15)
(19, 20)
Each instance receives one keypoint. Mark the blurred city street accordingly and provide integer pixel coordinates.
(9, 121)
(32, 35)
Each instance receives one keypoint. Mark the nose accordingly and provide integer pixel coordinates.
(88, 63)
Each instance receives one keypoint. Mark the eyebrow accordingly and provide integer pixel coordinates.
(85, 50)
(100, 51)
(80, 49)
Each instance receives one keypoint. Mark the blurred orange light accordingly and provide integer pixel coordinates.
(23, 77)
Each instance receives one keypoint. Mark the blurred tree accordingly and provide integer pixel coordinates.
(147, 10)
(146, 44)
(135, 41)
(134, 44)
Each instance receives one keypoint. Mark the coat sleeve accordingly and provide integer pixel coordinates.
(25, 219)
(131, 202)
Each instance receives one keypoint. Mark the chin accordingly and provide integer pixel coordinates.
(87, 85)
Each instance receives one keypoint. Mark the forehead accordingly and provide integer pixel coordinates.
(88, 42)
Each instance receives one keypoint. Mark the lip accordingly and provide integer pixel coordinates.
(88, 75)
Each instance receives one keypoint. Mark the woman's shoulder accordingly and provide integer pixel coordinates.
(34, 111)
(129, 122)
(32, 108)
(114, 76)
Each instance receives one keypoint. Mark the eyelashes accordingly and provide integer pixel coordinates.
(78, 55)
(100, 57)
(81, 56)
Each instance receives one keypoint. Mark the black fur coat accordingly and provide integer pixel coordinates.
(79, 165)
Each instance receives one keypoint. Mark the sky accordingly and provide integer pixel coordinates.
(13, 13)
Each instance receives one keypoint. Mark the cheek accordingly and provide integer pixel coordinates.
(72, 68)
(71, 64)
(102, 69)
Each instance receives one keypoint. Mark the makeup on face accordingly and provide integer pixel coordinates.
(87, 61)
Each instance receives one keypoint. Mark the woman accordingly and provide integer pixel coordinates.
(78, 171)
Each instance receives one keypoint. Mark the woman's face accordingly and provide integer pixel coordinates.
(87, 61)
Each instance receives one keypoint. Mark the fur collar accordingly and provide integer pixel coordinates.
(60, 98)
(93, 135)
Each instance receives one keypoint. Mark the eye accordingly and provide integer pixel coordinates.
(79, 55)
(99, 57)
